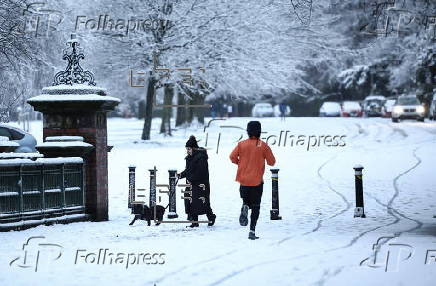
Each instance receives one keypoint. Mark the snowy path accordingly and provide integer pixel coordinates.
(318, 242)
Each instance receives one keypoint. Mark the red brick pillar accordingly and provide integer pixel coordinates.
(80, 110)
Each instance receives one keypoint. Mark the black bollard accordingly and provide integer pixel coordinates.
(172, 212)
(275, 215)
(152, 199)
(359, 211)
(131, 198)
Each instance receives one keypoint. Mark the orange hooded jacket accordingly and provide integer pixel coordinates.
(250, 156)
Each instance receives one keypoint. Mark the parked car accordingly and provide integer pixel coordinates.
(432, 110)
(351, 109)
(26, 140)
(387, 107)
(373, 105)
(330, 108)
(262, 110)
(408, 107)
(277, 110)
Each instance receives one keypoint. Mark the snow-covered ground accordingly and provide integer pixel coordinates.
(318, 242)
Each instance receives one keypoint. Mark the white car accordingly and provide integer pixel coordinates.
(408, 107)
(387, 107)
(330, 108)
(351, 109)
(262, 110)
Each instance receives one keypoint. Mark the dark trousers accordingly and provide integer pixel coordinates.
(252, 196)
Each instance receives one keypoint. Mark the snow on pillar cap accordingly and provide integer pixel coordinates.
(63, 138)
(358, 166)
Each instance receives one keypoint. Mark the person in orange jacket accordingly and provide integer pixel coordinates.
(250, 156)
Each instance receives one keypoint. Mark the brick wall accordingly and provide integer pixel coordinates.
(93, 128)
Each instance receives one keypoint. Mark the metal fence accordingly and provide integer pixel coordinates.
(41, 189)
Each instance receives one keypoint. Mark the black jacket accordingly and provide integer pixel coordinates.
(197, 168)
(197, 173)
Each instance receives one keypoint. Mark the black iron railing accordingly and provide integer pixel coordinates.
(41, 189)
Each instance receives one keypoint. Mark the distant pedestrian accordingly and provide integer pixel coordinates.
(229, 110)
(213, 110)
(223, 110)
(250, 156)
(282, 109)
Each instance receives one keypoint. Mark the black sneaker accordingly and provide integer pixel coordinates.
(211, 218)
(192, 225)
(243, 218)
(252, 235)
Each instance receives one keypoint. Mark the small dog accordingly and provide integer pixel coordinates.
(143, 212)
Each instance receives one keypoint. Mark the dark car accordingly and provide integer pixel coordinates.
(373, 105)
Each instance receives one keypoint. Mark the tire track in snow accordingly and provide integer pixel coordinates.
(327, 275)
(177, 271)
(320, 221)
(348, 204)
(391, 211)
(329, 185)
(249, 267)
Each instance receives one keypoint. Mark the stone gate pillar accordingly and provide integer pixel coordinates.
(74, 106)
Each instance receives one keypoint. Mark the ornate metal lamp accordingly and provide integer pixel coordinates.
(73, 73)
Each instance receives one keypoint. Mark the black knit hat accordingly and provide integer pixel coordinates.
(192, 142)
(254, 129)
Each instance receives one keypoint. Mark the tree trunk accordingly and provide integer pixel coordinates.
(200, 110)
(148, 116)
(181, 111)
(190, 112)
(165, 126)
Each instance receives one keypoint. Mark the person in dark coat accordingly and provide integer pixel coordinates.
(197, 174)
